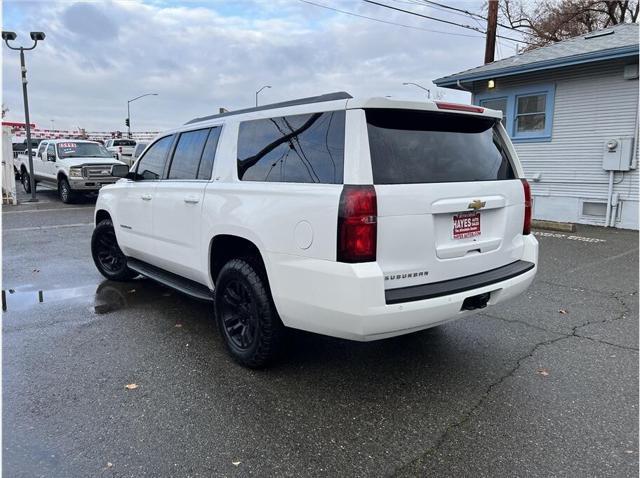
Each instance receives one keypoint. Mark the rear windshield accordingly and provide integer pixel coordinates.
(426, 147)
(124, 142)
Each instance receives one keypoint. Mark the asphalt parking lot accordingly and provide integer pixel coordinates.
(546, 385)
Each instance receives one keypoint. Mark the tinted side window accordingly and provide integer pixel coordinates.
(151, 165)
(186, 157)
(206, 164)
(301, 149)
(41, 149)
(51, 150)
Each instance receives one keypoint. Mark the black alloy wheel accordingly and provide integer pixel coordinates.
(107, 256)
(246, 316)
(238, 314)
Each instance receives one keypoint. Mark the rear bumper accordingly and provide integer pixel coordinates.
(348, 300)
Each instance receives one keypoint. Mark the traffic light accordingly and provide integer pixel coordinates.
(126, 122)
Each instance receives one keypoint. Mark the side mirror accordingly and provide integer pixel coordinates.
(120, 171)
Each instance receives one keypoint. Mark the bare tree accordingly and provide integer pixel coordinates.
(550, 21)
(5, 109)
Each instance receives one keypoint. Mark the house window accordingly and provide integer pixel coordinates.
(530, 113)
(527, 112)
(497, 104)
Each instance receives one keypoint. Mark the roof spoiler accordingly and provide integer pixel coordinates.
(338, 95)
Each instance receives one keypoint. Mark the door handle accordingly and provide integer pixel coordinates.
(191, 200)
(146, 197)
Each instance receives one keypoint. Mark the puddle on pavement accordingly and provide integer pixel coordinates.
(106, 296)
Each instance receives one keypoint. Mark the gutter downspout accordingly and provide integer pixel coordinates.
(607, 218)
(634, 159)
(614, 198)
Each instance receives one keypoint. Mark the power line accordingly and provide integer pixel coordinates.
(471, 14)
(385, 21)
(469, 27)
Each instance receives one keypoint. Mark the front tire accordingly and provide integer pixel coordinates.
(65, 192)
(247, 319)
(107, 256)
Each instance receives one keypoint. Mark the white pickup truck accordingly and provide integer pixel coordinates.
(122, 149)
(71, 166)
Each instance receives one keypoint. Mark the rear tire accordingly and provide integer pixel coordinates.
(65, 192)
(26, 181)
(247, 319)
(107, 256)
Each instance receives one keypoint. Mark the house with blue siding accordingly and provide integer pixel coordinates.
(571, 110)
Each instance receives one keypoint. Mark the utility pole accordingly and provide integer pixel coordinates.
(492, 26)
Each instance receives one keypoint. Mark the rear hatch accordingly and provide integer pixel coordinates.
(449, 201)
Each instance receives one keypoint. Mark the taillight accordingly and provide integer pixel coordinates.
(443, 105)
(357, 224)
(526, 227)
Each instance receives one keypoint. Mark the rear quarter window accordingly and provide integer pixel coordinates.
(428, 147)
(305, 148)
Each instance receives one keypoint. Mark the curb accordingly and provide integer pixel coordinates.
(553, 225)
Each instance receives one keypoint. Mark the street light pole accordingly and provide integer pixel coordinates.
(129, 110)
(265, 86)
(35, 36)
(421, 87)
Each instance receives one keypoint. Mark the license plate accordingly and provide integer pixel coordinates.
(466, 224)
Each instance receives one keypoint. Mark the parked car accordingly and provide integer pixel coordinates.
(138, 151)
(122, 149)
(354, 218)
(70, 165)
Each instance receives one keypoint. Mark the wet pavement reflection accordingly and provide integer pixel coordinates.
(107, 296)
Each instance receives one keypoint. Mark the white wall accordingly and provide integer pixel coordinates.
(593, 103)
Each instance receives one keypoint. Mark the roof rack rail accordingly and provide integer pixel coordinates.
(338, 95)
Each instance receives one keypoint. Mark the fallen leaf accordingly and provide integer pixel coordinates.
(131, 386)
(178, 325)
(562, 311)
(543, 371)
(109, 464)
(131, 291)
(235, 463)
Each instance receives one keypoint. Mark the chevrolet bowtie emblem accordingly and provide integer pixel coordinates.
(477, 204)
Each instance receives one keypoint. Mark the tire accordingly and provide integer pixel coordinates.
(65, 192)
(248, 321)
(107, 256)
(26, 181)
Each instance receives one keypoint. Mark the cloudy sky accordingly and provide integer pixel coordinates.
(201, 55)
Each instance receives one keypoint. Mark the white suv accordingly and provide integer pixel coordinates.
(355, 218)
